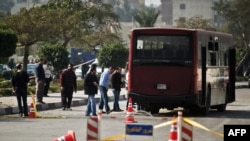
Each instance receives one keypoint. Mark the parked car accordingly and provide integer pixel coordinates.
(31, 69)
(78, 72)
(6, 71)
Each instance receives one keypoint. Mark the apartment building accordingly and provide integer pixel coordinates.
(172, 10)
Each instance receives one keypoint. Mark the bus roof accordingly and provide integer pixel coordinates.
(177, 29)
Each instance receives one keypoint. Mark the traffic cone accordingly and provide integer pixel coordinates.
(130, 117)
(173, 131)
(70, 136)
(32, 111)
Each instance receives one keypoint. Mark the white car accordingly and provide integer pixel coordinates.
(78, 72)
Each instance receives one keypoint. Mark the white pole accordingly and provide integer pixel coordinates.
(99, 124)
(179, 126)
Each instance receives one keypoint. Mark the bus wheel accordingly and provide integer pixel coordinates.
(154, 110)
(194, 109)
(222, 107)
(205, 110)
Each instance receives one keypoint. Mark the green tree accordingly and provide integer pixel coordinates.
(28, 28)
(65, 21)
(146, 17)
(115, 54)
(57, 54)
(237, 15)
(8, 40)
(196, 22)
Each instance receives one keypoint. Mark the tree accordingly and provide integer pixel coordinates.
(29, 28)
(146, 17)
(237, 14)
(196, 22)
(115, 54)
(56, 54)
(65, 21)
(8, 40)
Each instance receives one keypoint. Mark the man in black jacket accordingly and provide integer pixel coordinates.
(68, 85)
(90, 88)
(116, 85)
(40, 81)
(19, 82)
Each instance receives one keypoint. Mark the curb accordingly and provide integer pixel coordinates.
(75, 103)
(51, 106)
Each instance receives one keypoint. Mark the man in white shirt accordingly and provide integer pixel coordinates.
(48, 68)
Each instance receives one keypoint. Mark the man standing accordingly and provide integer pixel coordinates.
(40, 81)
(90, 88)
(116, 85)
(68, 85)
(19, 82)
(48, 68)
(103, 86)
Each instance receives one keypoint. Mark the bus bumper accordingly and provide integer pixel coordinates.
(164, 101)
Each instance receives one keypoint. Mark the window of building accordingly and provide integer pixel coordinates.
(182, 6)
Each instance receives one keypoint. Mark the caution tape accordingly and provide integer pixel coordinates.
(196, 124)
(165, 123)
(113, 138)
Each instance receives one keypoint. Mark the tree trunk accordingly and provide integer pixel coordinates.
(25, 57)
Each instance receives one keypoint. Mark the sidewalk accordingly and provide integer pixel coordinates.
(8, 105)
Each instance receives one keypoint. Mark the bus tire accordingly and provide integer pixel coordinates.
(154, 110)
(194, 109)
(222, 107)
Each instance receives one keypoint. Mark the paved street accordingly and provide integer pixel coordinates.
(8, 105)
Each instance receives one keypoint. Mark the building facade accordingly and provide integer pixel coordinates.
(173, 10)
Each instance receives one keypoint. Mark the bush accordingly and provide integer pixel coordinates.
(5, 84)
(6, 92)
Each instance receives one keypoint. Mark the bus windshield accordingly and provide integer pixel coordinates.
(163, 48)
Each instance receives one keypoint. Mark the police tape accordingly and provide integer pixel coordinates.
(114, 138)
(198, 125)
(165, 123)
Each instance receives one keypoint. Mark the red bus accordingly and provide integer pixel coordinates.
(176, 67)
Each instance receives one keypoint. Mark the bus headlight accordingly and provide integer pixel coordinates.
(161, 86)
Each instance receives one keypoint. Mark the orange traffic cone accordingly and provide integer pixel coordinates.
(70, 136)
(173, 131)
(130, 117)
(32, 111)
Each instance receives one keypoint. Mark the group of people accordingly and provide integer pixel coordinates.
(91, 84)
(68, 85)
(20, 80)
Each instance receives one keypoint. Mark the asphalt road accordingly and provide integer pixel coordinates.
(56, 123)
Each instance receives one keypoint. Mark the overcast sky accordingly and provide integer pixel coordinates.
(154, 2)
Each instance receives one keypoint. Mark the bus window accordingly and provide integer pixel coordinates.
(163, 47)
(213, 58)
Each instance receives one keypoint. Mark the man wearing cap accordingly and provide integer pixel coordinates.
(19, 82)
